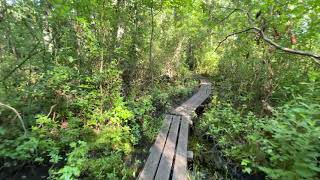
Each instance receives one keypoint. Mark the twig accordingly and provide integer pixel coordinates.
(18, 115)
(54, 116)
(233, 11)
(32, 53)
(232, 34)
(51, 108)
(250, 19)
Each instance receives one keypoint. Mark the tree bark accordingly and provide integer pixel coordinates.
(47, 29)
(151, 41)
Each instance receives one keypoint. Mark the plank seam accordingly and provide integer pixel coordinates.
(175, 150)
(154, 176)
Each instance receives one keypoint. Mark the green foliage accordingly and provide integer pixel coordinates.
(100, 159)
(92, 79)
(284, 146)
(180, 92)
(160, 99)
(109, 167)
(143, 110)
(151, 127)
(76, 160)
(291, 145)
(231, 129)
(26, 149)
(30, 149)
(39, 147)
(114, 138)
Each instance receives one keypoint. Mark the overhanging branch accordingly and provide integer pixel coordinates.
(314, 56)
(225, 18)
(232, 34)
(288, 50)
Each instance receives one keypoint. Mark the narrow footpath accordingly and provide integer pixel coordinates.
(168, 156)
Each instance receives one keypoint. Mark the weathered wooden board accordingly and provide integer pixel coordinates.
(169, 153)
(180, 162)
(166, 161)
(150, 168)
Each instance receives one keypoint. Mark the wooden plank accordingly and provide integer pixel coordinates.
(165, 165)
(165, 149)
(190, 156)
(150, 168)
(197, 99)
(180, 162)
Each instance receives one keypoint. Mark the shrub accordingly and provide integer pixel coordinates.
(284, 146)
(292, 145)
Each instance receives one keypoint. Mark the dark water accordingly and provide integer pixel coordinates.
(26, 172)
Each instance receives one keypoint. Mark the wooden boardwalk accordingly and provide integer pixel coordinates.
(168, 155)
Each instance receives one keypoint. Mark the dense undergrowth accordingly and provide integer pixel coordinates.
(264, 116)
(283, 145)
(80, 141)
(84, 84)
(282, 142)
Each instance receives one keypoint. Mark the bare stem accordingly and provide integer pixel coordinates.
(18, 115)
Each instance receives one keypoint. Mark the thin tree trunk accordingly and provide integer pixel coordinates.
(101, 83)
(47, 29)
(77, 31)
(115, 37)
(151, 63)
(11, 43)
(101, 33)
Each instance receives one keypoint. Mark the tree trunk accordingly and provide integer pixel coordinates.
(152, 67)
(47, 29)
(117, 31)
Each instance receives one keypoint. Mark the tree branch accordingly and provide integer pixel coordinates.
(51, 109)
(315, 57)
(29, 56)
(233, 11)
(18, 115)
(250, 19)
(232, 34)
(288, 50)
